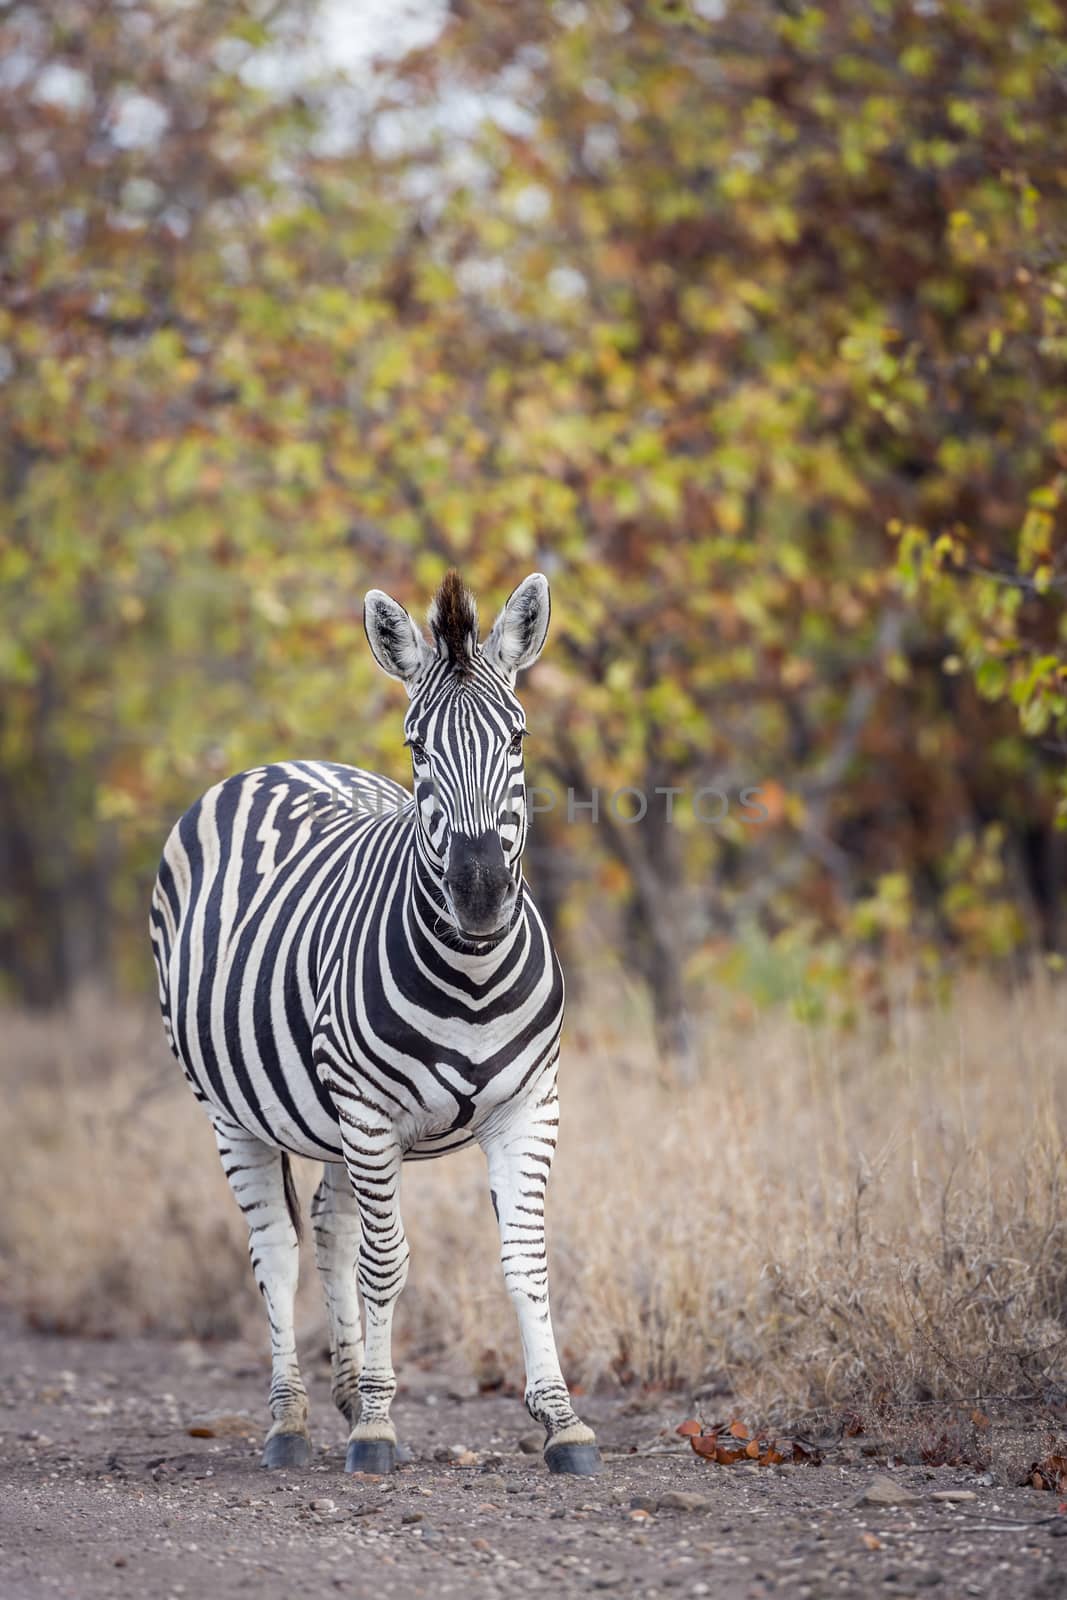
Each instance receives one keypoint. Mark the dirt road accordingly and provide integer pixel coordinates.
(106, 1494)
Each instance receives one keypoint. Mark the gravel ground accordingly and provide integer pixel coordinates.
(106, 1494)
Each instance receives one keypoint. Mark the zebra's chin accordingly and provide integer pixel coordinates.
(484, 932)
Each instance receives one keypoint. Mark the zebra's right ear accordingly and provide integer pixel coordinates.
(396, 643)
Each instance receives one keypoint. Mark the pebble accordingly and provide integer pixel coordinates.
(492, 1483)
(323, 1506)
(412, 1516)
(643, 1502)
(951, 1496)
(682, 1500)
(532, 1444)
(883, 1491)
(225, 1425)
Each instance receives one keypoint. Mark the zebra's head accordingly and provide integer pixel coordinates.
(465, 729)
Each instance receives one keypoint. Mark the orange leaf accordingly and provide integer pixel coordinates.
(705, 1444)
(738, 1430)
(752, 1450)
(688, 1428)
(980, 1420)
(871, 1541)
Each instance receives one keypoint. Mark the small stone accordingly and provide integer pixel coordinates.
(682, 1500)
(465, 1458)
(324, 1507)
(643, 1502)
(225, 1425)
(640, 1515)
(412, 1516)
(1058, 1529)
(480, 1544)
(926, 1578)
(492, 1483)
(606, 1579)
(532, 1444)
(953, 1496)
(883, 1491)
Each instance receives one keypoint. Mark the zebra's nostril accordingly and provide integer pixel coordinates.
(478, 879)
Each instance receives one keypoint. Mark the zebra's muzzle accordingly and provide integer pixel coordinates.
(481, 891)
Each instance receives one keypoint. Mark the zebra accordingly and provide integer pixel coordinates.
(355, 972)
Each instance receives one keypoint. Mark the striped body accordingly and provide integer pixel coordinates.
(302, 962)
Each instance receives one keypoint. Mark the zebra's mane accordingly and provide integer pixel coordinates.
(454, 624)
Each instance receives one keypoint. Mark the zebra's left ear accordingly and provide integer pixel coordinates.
(518, 634)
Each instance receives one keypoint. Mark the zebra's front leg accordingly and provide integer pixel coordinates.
(374, 1172)
(519, 1154)
(256, 1175)
(336, 1225)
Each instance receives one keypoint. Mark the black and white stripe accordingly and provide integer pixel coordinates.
(357, 974)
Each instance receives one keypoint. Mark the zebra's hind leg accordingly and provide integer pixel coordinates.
(257, 1176)
(519, 1150)
(374, 1170)
(336, 1225)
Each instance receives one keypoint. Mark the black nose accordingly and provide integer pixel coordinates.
(478, 880)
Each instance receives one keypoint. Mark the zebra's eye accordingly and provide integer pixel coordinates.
(516, 741)
(417, 748)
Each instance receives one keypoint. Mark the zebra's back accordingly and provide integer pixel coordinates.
(250, 882)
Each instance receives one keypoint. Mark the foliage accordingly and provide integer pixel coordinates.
(743, 322)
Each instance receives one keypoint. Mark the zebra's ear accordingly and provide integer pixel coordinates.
(396, 643)
(519, 633)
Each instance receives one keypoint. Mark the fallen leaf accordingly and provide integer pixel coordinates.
(752, 1450)
(1049, 1473)
(738, 1430)
(688, 1428)
(705, 1444)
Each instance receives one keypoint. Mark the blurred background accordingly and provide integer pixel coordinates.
(744, 322)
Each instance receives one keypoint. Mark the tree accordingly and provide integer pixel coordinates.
(724, 321)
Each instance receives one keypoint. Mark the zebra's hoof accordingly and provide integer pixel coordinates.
(287, 1450)
(583, 1460)
(370, 1455)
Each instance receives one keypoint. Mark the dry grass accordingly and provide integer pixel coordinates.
(823, 1220)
